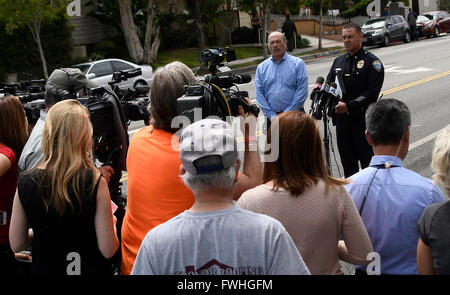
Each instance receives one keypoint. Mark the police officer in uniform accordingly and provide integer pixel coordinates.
(359, 75)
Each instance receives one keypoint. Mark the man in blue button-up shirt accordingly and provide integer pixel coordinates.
(391, 198)
(281, 81)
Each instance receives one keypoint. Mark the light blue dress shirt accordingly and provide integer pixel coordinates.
(281, 87)
(397, 198)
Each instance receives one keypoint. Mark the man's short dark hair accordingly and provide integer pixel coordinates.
(52, 96)
(387, 121)
(352, 25)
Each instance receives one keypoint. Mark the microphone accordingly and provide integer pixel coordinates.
(324, 90)
(319, 82)
(333, 91)
(320, 101)
(333, 99)
(315, 94)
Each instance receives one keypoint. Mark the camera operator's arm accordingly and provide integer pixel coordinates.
(252, 173)
(106, 171)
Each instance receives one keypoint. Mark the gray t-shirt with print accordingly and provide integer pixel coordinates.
(232, 241)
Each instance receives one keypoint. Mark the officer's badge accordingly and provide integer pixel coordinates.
(360, 64)
(377, 65)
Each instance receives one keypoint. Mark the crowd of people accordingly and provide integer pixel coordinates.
(191, 209)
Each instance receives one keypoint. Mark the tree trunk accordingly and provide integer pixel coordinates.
(151, 49)
(320, 25)
(35, 32)
(265, 24)
(155, 46)
(198, 25)
(129, 30)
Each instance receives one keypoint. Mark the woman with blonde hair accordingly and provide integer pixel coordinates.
(314, 207)
(65, 201)
(433, 256)
(13, 135)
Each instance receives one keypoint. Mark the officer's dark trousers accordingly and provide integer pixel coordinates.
(352, 143)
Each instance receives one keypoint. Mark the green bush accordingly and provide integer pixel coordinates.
(302, 42)
(113, 47)
(359, 8)
(176, 32)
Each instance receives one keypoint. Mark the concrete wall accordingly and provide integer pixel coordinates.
(311, 27)
(428, 5)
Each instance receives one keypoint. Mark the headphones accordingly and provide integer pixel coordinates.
(67, 94)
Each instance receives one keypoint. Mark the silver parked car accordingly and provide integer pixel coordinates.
(383, 30)
(101, 72)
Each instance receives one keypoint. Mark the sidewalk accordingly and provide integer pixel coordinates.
(314, 44)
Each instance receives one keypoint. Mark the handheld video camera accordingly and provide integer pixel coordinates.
(212, 93)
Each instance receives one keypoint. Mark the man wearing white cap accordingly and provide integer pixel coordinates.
(214, 236)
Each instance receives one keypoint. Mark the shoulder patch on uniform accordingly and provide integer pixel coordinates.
(377, 65)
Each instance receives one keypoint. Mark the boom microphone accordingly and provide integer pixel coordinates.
(227, 81)
(241, 79)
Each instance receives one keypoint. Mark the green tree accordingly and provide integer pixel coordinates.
(267, 7)
(57, 45)
(139, 25)
(318, 7)
(444, 5)
(31, 14)
(139, 53)
(204, 12)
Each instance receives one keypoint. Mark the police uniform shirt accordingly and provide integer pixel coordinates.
(360, 78)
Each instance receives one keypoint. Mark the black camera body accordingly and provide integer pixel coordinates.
(110, 112)
(212, 94)
(32, 95)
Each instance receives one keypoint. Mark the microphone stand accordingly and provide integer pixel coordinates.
(326, 141)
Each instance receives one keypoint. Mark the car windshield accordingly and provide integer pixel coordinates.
(432, 16)
(83, 68)
(422, 18)
(374, 24)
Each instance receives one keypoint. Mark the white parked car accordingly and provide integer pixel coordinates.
(101, 72)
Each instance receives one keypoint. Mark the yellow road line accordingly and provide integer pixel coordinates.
(418, 82)
(124, 177)
(395, 89)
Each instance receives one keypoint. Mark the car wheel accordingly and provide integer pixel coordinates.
(436, 32)
(407, 37)
(387, 40)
